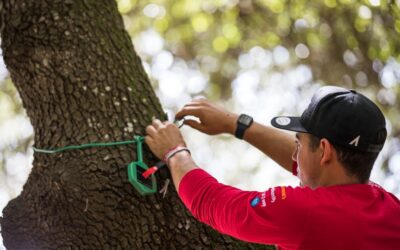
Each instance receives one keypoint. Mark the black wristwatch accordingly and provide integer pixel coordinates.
(243, 122)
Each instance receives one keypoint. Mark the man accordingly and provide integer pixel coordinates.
(338, 138)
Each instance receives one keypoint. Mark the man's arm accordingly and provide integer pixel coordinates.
(277, 216)
(267, 217)
(179, 165)
(277, 144)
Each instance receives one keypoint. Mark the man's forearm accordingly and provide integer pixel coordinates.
(278, 145)
(179, 165)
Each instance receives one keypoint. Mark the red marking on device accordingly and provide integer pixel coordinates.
(149, 172)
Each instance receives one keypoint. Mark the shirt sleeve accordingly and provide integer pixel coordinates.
(276, 216)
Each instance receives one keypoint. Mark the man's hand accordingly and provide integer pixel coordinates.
(163, 136)
(213, 119)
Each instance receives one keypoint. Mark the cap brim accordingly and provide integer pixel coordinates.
(288, 123)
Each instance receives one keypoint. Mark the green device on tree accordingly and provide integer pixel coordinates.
(140, 176)
(136, 169)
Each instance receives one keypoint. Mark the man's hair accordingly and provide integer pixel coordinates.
(357, 163)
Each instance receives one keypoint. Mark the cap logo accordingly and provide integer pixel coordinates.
(355, 141)
(283, 121)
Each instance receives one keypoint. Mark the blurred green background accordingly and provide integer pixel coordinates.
(261, 57)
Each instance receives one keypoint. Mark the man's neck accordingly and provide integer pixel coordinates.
(337, 175)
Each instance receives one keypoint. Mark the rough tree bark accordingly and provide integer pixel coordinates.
(80, 81)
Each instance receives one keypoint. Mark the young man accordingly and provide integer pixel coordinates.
(338, 139)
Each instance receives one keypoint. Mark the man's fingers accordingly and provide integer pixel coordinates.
(151, 131)
(194, 111)
(149, 141)
(194, 124)
(197, 103)
(167, 123)
(192, 108)
(157, 123)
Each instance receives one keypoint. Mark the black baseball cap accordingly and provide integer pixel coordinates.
(344, 117)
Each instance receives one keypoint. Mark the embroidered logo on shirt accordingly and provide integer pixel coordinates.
(255, 201)
(263, 202)
(283, 192)
(273, 197)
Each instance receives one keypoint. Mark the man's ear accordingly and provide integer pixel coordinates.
(327, 151)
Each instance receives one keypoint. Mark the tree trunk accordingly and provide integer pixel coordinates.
(81, 81)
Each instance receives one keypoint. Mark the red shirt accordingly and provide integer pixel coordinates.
(356, 216)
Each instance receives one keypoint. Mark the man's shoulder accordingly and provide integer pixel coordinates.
(339, 195)
(383, 193)
(333, 193)
(357, 193)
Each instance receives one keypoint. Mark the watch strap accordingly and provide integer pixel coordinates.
(243, 123)
(240, 129)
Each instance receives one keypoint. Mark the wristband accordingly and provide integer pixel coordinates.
(173, 152)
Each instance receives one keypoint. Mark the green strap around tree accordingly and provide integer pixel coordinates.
(88, 145)
(143, 185)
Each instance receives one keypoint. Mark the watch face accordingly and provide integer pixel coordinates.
(245, 119)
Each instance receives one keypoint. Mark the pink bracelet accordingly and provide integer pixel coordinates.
(173, 152)
(170, 150)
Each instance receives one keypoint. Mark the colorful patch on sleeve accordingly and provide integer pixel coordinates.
(270, 196)
(283, 192)
(273, 197)
(263, 196)
(254, 202)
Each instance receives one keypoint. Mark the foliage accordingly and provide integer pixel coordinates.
(346, 35)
